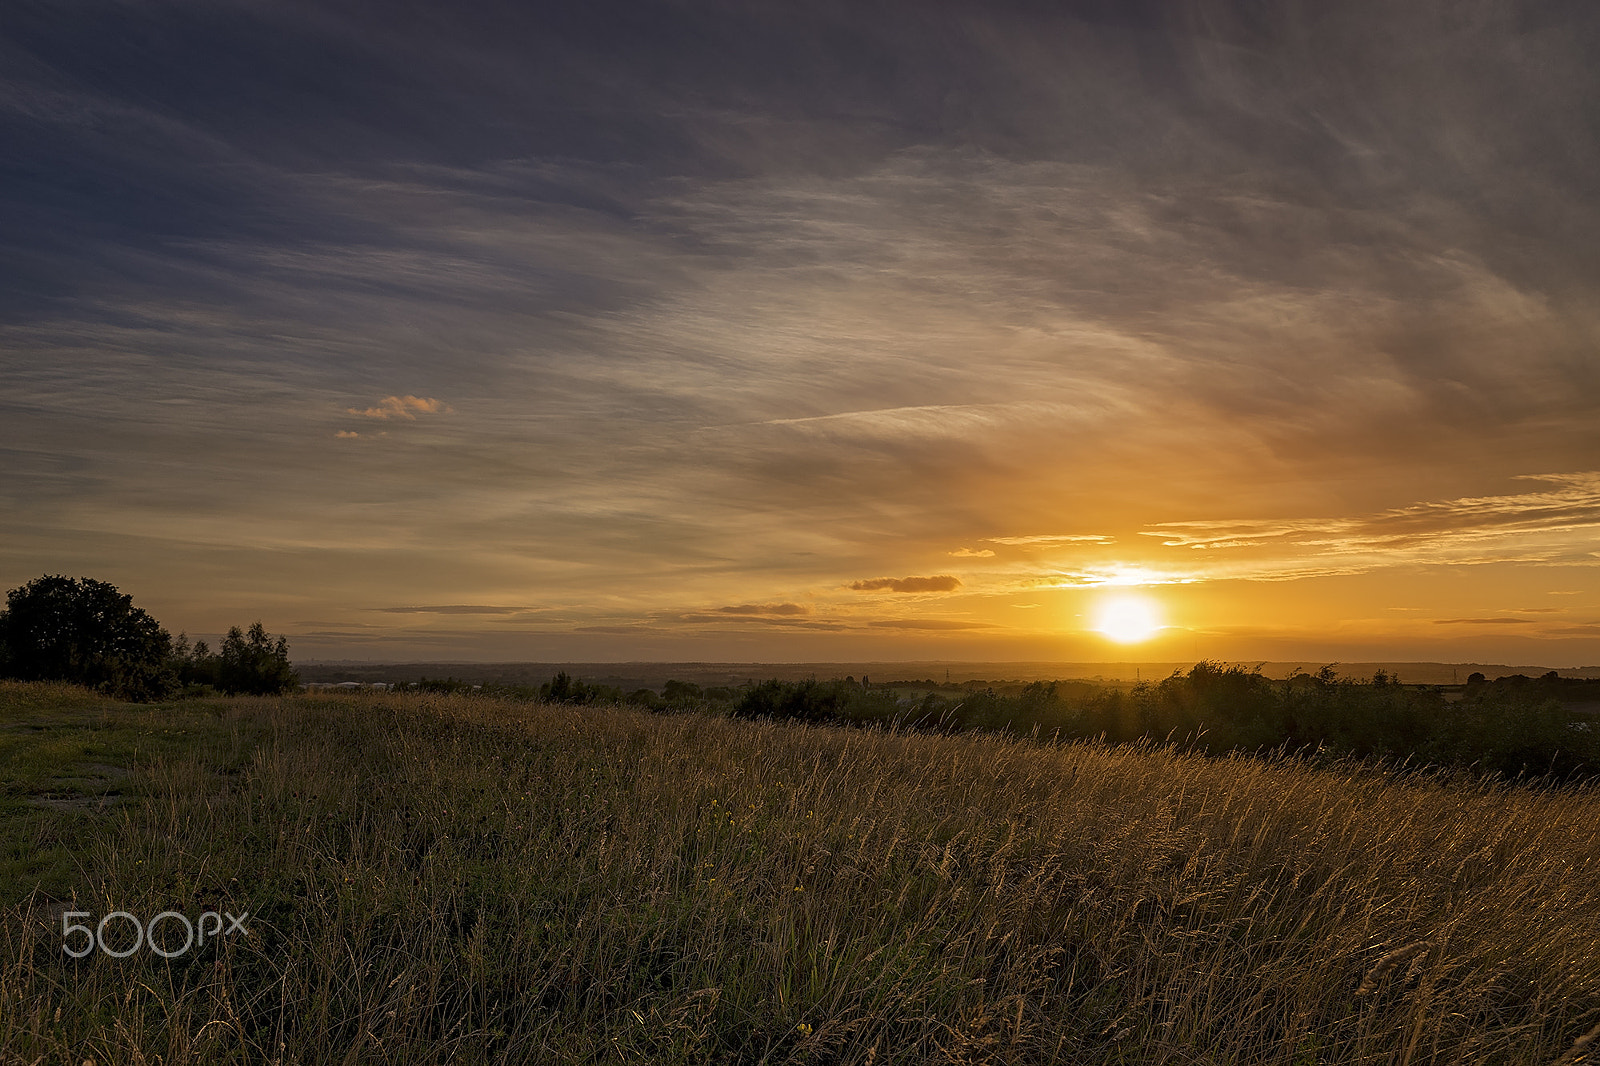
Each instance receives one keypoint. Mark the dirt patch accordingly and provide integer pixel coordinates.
(79, 803)
(101, 769)
(85, 788)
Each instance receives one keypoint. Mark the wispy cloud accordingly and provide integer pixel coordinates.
(729, 339)
(1484, 622)
(454, 608)
(927, 623)
(1111, 577)
(779, 609)
(1052, 539)
(881, 415)
(726, 622)
(1545, 526)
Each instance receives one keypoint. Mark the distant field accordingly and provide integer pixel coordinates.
(630, 675)
(435, 879)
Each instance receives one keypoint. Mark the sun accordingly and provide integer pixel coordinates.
(1128, 619)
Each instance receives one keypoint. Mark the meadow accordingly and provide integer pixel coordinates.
(434, 878)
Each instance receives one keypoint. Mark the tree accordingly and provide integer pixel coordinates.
(255, 663)
(197, 667)
(85, 631)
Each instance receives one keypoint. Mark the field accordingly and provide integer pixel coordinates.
(434, 879)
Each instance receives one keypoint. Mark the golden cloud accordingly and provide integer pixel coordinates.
(406, 407)
(1552, 526)
(1483, 621)
(1052, 538)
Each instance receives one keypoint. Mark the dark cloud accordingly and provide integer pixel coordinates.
(779, 622)
(927, 623)
(783, 609)
(938, 583)
(453, 608)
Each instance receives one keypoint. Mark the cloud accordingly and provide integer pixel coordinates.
(938, 583)
(923, 421)
(968, 553)
(1484, 621)
(1573, 505)
(1278, 277)
(1550, 526)
(927, 623)
(1052, 538)
(781, 609)
(1112, 577)
(453, 608)
(771, 621)
(406, 407)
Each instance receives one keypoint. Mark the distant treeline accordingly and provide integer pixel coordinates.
(1513, 725)
(562, 688)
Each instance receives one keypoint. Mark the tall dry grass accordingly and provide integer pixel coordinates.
(438, 879)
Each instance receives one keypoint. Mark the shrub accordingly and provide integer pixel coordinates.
(808, 701)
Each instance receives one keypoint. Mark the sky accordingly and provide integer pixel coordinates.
(757, 331)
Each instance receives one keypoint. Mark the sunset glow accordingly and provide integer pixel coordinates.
(1128, 619)
(811, 332)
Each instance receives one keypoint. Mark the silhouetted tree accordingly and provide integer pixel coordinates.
(561, 689)
(255, 663)
(197, 667)
(63, 629)
(564, 688)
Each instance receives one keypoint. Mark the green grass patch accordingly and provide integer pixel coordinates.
(70, 759)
